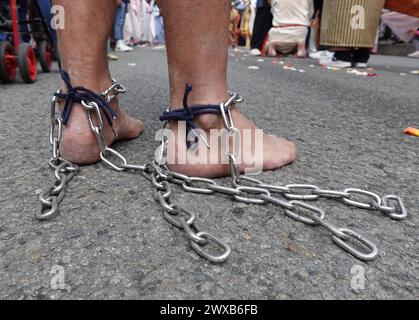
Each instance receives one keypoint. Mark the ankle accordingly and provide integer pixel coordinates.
(209, 121)
(94, 81)
(212, 121)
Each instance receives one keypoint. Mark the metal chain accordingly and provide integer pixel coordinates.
(233, 133)
(112, 92)
(244, 189)
(64, 171)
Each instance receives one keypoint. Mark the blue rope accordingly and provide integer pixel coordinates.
(188, 114)
(79, 94)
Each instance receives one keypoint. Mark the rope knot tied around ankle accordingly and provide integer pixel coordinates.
(81, 94)
(189, 113)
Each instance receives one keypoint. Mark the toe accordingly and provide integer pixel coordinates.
(278, 152)
(131, 129)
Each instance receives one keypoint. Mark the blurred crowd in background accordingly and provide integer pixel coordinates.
(137, 23)
(339, 33)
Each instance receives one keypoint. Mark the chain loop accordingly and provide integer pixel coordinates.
(51, 197)
(402, 214)
(121, 167)
(193, 235)
(298, 217)
(179, 212)
(296, 187)
(330, 194)
(251, 190)
(226, 250)
(372, 252)
(375, 199)
(188, 185)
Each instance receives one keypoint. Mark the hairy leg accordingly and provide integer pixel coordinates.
(83, 50)
(197, 44)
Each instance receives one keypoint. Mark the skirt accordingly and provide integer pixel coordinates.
(350, 23)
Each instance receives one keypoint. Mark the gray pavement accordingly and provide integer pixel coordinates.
(112, 241)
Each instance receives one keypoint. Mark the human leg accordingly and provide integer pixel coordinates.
(83, 47)
(202, 62)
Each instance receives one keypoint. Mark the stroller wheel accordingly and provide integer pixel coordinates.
(8, 62)
(45, 56)
(27, 63)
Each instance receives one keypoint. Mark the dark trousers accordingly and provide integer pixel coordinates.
(318, 6)
(360, 55)
(262, 25)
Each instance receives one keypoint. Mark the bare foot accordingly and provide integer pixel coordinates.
(301, 50)
(277, 152)
(79, 144)
(272, 51)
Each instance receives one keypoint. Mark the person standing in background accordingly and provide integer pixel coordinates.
(119, 26)
(252, 6)
(245, 31)
(261, 27)
(148, 31)
(158, 25)
(318, 52)
(349, 28)
(133, 27)
(234, 30)
(405, 27)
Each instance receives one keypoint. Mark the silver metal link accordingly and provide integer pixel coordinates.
(52, 196)
(372, 252)
(376, 200)
(251, 190)
(189, 185)
(225, 190)
(178, 178)
(174, 217)
(233, 132)
(234, 168)
(164, 202)
(193, 235)
(278, 202)
(296, 187)
(226, 250)
(399, 213)
(156, 181)
(158, 171)
(121, 166)
(249, 181)
(328, 226)
(112, 92)
(298, 217)
(331, 194)
(134, 167)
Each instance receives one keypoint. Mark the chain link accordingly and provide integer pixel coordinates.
(244, 189)
(113, 91)
(52, 196)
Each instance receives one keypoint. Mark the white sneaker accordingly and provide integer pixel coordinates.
(324, 54)
(414, 54)
(122, 47)
(255, 52)
(338, 64)
(360, 65)
(325, 60)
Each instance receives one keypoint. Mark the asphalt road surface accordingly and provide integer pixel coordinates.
(111, 242)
